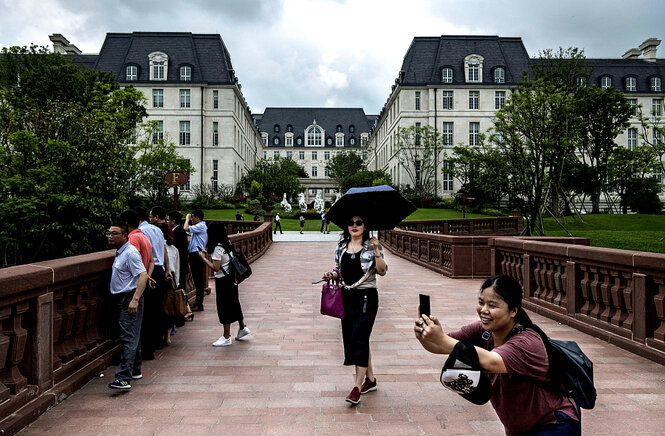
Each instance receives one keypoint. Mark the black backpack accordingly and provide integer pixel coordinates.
(570, 369)
(240, 266)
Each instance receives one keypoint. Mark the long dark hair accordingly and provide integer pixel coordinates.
(511, 291)
(346, 235)
(217, 236)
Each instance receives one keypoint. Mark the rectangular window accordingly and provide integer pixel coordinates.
(499, 99)
(132, 137)
(275, 154)
(325, 172)
(314, 156)
(157, 98)
(339, 141)
(187, 185)
(185, 99)
(301, 155)
(656, 84)
(215, 133)
(158, 133)
(289, 155)
(657, 107)
(605, 82)
(447, 178)
(447, 99)
(474, 99)
(474, 129)
(447, 133)
(158, 70)
(215, 174)
(326, 155)
(215, 99)
(657, 138)
(185, 138)
(474, 73)
(289, 141)
(185, 73)
(314, 171)
(633, 103)
(265, 154)
(447, 75)
(632, 138)
(131, 73)
(631, 84)
(417, 100)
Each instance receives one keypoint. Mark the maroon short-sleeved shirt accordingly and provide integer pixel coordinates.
(520, 404)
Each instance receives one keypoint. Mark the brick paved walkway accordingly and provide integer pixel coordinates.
(287, 378)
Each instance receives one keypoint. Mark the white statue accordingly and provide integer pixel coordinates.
(319, 204)
(301, 202)
(285, 204)
(337, 197)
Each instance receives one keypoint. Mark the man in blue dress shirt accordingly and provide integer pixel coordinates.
(128, 281)
(198, 230)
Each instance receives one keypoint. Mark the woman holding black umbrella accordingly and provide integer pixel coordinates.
(358, 258)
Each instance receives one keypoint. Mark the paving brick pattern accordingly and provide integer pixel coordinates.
(287, 378)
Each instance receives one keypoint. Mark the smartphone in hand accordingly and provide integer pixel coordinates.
(424, 305)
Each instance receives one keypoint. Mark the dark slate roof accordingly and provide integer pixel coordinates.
(206, 54)
(428, 55)
(619, 69)
(84, 60)
(301, 118)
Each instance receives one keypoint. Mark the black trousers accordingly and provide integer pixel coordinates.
(360, 309)
(278, 224)
(196, 266)
(154, 323)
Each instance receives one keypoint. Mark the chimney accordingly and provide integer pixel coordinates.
(633, 53)
(649, 48)
(61, 45)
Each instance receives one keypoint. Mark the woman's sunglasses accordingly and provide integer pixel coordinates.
(356, 222)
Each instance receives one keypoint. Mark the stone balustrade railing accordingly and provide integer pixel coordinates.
(615, 295)
(510, 225)
(57, 331)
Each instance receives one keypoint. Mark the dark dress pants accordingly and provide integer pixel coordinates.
(196, 265)
(130, 334)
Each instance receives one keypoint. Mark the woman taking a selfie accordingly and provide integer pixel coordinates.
(358, 258)
(511, 351)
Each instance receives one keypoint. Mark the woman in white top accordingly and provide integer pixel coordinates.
(226, 288)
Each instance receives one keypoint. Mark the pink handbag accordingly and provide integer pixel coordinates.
(332, 303)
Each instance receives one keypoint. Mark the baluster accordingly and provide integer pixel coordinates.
(595, 292)
(659, 305)
(57, 329)
(585, 289)
(549, 280)
(606, 297)
(10, 375)
(557, 288)
(5, 342)
(538, 277)
(63, 347)
(622, 300)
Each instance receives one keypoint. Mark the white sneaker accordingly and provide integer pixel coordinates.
(222, 342)
(242, 333)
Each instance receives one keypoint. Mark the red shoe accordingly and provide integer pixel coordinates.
(368, 386)
(354, 396)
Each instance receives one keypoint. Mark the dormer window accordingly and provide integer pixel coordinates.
(289, 128)
(159, 63)
(447, 75)
(581, 81)
(276, 128)
(352, 128)
(655, 84)
(352, 141)
(473, 68)
(314, 136)
(338, 129)
(631, 84)
(605, 82)
(499, 75)
(131, 73)
(185, 73)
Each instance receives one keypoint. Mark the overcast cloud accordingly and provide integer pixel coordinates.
(345, 53)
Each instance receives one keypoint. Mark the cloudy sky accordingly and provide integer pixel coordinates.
(343, 53)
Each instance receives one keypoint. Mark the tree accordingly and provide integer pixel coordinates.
(626, 171)
(365, 178)
(64, 155)
(565, 69)
(415, 148)
(532, 135)
(604, 114)
(277, 177)
(344, 164)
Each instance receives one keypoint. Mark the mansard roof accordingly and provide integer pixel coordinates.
(619, 69)
(428, 55)
(326, 118)
(206, 54)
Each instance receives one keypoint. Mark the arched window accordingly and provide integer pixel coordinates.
(499, 75)
(289, 128)
(352, 128)
(314, 136)
(473, 67)
(338, 129)
(606, 82)
(275, 140)
(159, 65)
(276, 128)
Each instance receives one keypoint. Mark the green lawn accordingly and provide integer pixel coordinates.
(628, 232)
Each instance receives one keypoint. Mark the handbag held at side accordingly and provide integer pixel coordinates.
(332, 302)
(175, 302)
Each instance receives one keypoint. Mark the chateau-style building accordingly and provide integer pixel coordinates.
(192, 94)
(311, 137)
(457, 83)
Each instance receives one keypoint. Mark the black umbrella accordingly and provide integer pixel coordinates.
(382, 207)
